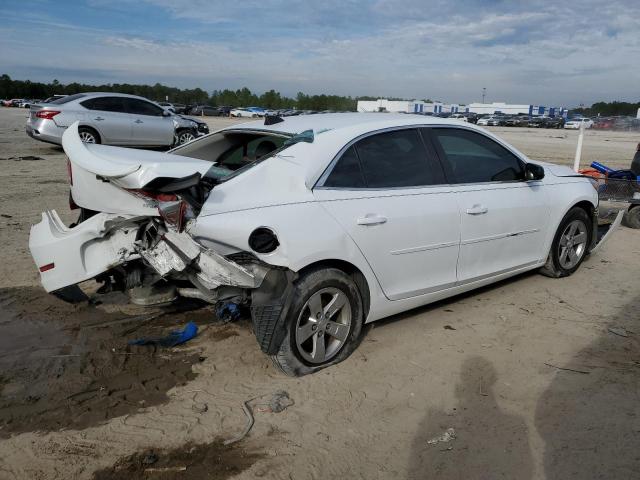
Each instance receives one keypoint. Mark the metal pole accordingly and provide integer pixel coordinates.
(576, 161)
(484, 91)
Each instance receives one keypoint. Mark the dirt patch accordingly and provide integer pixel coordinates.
(69, 365)
(212, 461)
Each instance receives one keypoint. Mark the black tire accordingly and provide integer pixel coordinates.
(289, 359)
(88, 132)
(554, 268)
(631, 217)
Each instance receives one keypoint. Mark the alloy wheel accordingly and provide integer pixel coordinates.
(185, 137)
(323, 325)
(87, 137)
(573, 244)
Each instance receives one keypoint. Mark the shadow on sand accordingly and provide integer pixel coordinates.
(489, 443)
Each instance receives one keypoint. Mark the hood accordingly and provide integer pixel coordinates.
(127, 167)
(558, 170)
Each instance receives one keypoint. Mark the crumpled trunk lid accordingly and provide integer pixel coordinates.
(102, 177)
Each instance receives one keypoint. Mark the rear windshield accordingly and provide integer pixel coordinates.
(69, 98)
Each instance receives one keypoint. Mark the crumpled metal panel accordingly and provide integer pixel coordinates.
(175, 251)
(163, 259)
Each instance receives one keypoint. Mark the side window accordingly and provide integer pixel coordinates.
(105, 104)
(474, 158)
(140, 107)
(395, 159)
(347, 172)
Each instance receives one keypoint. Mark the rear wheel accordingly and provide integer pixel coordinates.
(324, 323)
(632, 217)
(570, 244)
(88, 135)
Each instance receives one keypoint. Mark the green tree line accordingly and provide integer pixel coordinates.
(242, 97)
(609, 109)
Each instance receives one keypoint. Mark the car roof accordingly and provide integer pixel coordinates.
(111, 94)
(332, 131)
(337, 121)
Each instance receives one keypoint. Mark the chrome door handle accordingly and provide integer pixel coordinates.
(99, 119)
(372, 219)
(139, 121)
(477, 209)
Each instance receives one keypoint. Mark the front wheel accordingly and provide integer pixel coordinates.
(324, 323)
(184, 136)
(570, 244)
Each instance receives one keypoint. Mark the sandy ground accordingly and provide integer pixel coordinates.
(538, 378)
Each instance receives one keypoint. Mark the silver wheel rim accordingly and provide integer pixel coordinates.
(186, 137)
(323, 325)
(573, 244)
(87, 137)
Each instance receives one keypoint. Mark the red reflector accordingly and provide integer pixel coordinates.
(48, 266)
(47, 114)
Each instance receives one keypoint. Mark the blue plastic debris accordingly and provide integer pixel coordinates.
(228, 312)
(174, 338)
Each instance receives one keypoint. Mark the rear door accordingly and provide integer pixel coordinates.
(108, 116)
(387, 192)
(150, 126)
(504, 219)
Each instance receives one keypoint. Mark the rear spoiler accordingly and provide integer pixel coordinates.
(82, 155)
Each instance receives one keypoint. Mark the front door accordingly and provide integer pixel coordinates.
(386, 192)
(150, 126)
(503, 219)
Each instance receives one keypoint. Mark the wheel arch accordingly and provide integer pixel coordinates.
(350, 269)
(95, 130)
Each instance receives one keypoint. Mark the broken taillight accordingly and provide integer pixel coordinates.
(47, 114)
(161, 197)
(174, 213)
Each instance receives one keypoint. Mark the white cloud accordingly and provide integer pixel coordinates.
(521, 51)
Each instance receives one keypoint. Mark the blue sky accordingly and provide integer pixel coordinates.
(549, 52)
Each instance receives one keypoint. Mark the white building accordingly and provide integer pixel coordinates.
(418, 106)
(407, 106)
(514, 109)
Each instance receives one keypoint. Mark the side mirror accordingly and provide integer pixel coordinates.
(533, 172)
(166, 113)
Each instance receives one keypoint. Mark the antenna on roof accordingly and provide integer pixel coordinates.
(272, 119)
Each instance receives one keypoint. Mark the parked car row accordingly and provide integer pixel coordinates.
(617, 123)
(112, 119)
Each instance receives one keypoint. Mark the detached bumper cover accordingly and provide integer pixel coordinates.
(66, 256)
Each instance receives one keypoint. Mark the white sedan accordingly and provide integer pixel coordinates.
(575, 123)
(317, 223)
(251, 112)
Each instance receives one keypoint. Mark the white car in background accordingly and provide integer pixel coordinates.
(250, 112)
(575, 123)
(317, 223)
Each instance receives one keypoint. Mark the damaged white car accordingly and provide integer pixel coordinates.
(318, 223)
